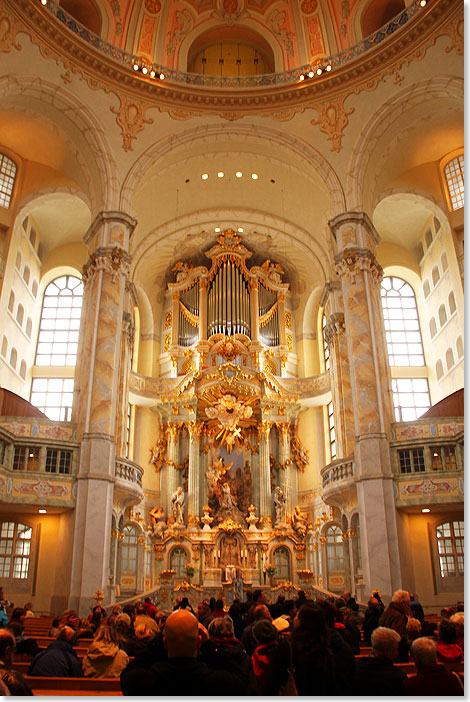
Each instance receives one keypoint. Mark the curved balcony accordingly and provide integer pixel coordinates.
(128, 489)
(338, 478)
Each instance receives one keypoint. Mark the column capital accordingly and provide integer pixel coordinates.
(330, 287)
(111, 260)
(350, 263)
(354, 229)
(334, 325)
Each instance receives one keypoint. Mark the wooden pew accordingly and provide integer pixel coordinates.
(33, 626)
(74, 687)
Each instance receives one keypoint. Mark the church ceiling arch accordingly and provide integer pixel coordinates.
(63, 133)
(399, 147)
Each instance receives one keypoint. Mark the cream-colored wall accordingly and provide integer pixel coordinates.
(74, 255)
(146, 435)
(311, 431)
(418, 570)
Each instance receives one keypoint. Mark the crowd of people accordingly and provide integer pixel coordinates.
(292, 647)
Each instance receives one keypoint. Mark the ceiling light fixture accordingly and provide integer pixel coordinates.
(425, 509)
(319, 71)
(162, 76)
(144, 70)
(423, 3)
(42, 511)
(152, 73)
(217, 229)
(238, 174)
(328, 68)
(135, 66)
(43, 2)
(301, 77)
(240, 230)
(205, 176)
(220, 174)
(310, 73)
(254, 176)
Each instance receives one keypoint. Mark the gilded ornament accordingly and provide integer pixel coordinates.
(290, 343)
(168, 319)
(166, 342)
(153, 6)
(288, 320)
(308, 6)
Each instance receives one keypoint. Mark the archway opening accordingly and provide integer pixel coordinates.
(230, 51)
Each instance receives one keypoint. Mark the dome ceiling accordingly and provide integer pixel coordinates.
(293, 33)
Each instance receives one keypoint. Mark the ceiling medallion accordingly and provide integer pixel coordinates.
(153, 6)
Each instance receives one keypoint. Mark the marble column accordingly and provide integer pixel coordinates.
(172, 474)
(265, 501)
(335, 337)
(104, 276)
(193, 474)
(360, 276)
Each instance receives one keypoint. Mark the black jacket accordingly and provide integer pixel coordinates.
(378, 676)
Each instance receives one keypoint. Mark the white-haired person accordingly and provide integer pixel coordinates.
(432, 677)
(377, 674)
(396, 617)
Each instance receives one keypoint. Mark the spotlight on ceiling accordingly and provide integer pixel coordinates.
(319, 71)
(301, 77)
(162, 76)
(425, 510)
(205, 176)
(42, 511)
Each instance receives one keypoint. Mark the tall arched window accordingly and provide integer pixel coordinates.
(15, 550)
(402, 329)
(11, 301)
(405, 348)
(450, 546)
(449, 358)
(454, 174)
(129, 550)
(435, 275)
(452, 306)
(334, 549)
(26, 274)
(57, 346)
(432, 327)
(20, 315)
(442, 315)
(29, 326)
(7, 179)
(13, 358)
(178, 562)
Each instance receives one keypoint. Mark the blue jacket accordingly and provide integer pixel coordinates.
(58, 660)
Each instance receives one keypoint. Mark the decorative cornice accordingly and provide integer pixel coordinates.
(111, 260)
(352, 262)
(334, 325)
(326, 95)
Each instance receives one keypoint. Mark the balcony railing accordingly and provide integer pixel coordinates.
(270, 79)
(337, 471)
(129, 471)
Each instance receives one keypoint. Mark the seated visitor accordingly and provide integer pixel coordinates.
(59, 659)
(432, 677)
(259, 612)
(150, 608)
(371, 618)
(395, 617)
(182, 674)
(143, 618)
(14, 681)
(223, 651)
(122, 625)
(104, 658)
(376, 674)
(448, 650)
(204, 614)
(457, 620)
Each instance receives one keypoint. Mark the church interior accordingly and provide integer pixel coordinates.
(232, 292)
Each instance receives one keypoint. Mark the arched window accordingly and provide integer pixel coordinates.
(23, 369)
(452, 306)
(450, 547)
(4, 346)
(428, 238)
(15, 550)
(11, 302)
(402, 329)
(129, 550)
(13, 358)
(334, 549)
(326, 348)
(34, 288)
(331, 430)
(442, 315)
(29, 326)
(281, 563)
(18, 261)
(178, 562)
(20, 315)
(459, 345)
(60, 322)
(439, 369)
(26, 274)
(454, 174)
(435, 275)
(426, 288)
(444, 263)
(7, 179)
(432, 327)
(449, 358)
(410, 398)
(32, 237)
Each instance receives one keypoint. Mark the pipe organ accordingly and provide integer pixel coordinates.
(229, 300)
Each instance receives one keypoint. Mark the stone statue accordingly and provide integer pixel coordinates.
(252, 556)
(157, 515)
(177, 505)
(227, 501)
(299, 523)
(228, 507)
(208, 556)
(279, 506)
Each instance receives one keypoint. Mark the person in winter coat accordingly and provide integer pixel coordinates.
(104, 658)
(371, 618)
(266, 636)
(396, 617)
(448, 650)
(59, 660)
(222, 651)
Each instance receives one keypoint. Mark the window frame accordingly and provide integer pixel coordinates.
(15, 553)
